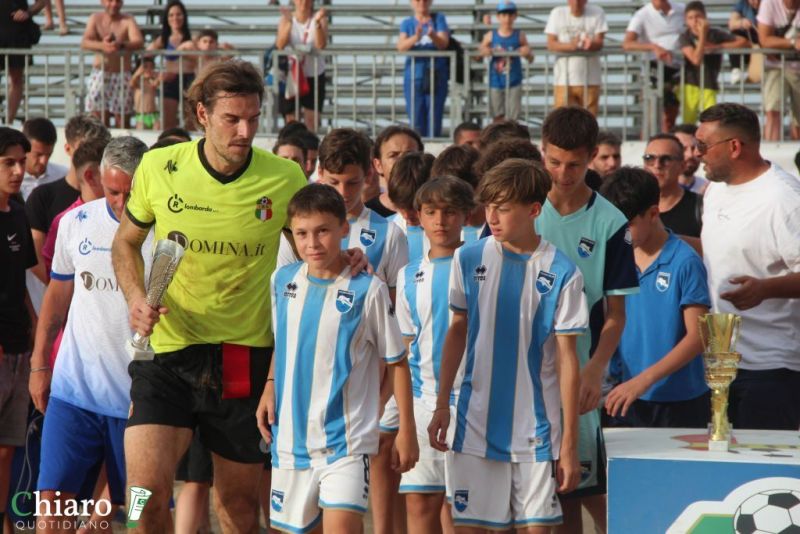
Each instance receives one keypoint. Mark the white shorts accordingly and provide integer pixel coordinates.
(299, 495)
(429, 474)
(502, 495)
(390, 422)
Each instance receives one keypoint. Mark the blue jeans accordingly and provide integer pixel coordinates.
(425, 102)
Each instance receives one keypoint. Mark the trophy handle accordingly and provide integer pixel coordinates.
(139, 348)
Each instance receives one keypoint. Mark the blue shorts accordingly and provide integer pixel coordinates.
(75, 443)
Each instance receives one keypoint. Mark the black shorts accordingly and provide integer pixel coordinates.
(692, 413)
(185, 389)
(671, 80)
(765, 400)
(306, 102)
(15, 61)
(196, 465)
(173, 88)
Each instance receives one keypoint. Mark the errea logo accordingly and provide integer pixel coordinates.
(291, 290)
(480, 273)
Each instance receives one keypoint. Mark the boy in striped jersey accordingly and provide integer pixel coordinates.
(518, 305)
(344, 161)
(319, 409)
(409, 173)
(444, 206)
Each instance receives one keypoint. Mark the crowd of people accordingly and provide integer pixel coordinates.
(357, 321)
(127, 83)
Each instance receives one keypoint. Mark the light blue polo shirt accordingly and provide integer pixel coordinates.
(654, 321)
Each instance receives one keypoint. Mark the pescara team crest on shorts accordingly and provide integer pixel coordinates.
(264, 209)
(367, 237)
(344, 301)
(544, 282)
(585, 247)
(461, 500)
(277, 500)
(662, 281)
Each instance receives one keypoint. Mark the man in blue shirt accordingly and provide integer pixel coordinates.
(658, 359)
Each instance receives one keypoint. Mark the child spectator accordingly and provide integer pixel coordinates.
(659, 359)
(742, 21)
(444, 204)
(698, 44)
(145, 82)
(517, 304)
(425, 100)
(505, 72)
(332, 331)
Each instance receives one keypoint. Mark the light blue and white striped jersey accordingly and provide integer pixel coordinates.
(418, 244)
(423, 312)
(330, 336)
(470, 234)
(383, 243)
(509, 404)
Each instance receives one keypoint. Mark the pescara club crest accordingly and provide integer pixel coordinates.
(544, 282)
(367, 237)
(585, 247)
(344, 301)
(461, 500)
(662, 281)
(277, 500)
(264, 209)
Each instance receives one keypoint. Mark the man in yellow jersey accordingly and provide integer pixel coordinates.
(225, 202)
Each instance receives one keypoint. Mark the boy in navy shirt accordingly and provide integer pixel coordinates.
(659, 354)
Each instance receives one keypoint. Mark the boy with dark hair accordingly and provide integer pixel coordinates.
(390, 144)
(698, 39)
(319, 409)
(291, 148)
(411, 171)
(311, 142)
(344, 161)
(659, 359)
(503, 129)
(504, 149)
(467, 133)
(16, 310)
(517, 306)
(444, 205)
(459, 161)
(593, 234)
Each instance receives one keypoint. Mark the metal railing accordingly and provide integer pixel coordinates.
(365, 88)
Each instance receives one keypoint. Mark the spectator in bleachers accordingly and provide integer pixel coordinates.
(609, 155)
(113, 35)
(577, 27)
(207, 40)
(14, 15)
(467, 133)
(656, 28)
(681, 210)
(175, 33)
(698, 43)
(62, 17)
(39, 170)
(144, 84)
(743, 22)
(305, 32)
(751, 221)
(505, 73)
(425, 99)
(778, 23)
(688, 179)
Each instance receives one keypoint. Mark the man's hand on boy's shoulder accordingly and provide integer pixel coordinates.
(568, 470)
(357, 261)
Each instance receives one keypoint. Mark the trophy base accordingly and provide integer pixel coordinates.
(719, 446)
(138, 354)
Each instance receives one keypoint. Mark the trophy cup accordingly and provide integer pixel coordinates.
(719, 333)
(167, 256)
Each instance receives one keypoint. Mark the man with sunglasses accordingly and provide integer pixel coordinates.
(681, 210)
(751, 249)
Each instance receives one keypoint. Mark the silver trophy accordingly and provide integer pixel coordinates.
(167, 256)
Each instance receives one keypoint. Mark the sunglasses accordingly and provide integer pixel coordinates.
(702, 147)
(663, 159)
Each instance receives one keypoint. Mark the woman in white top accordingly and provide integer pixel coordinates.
(305, 32)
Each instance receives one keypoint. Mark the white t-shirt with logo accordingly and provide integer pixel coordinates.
(753, 229)
(566, 27)
(91, 369)
(652, 26)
